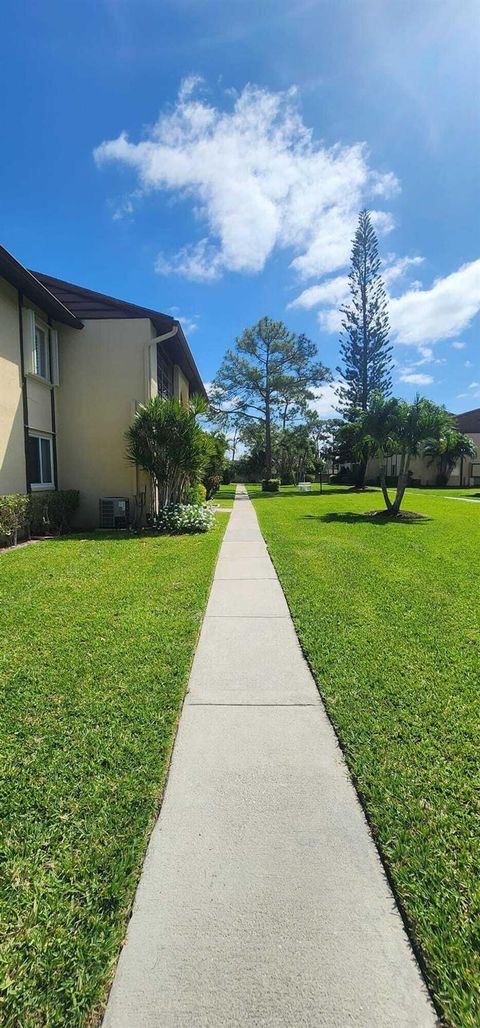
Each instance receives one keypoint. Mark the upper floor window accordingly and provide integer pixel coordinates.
(40, 347)
(41, 355)
(164, 373)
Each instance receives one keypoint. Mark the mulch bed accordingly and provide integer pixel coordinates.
(403, 515)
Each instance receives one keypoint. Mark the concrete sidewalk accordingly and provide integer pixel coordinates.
(262, 900)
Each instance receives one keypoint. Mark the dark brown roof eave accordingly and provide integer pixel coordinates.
(468, 421)
(28, 284)
(193, 373)
(92, 305)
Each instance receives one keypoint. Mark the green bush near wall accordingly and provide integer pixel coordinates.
(270, 485)
(53, 511)
(14, 516)
(41, 513)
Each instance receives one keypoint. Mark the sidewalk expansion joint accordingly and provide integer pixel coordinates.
(254, 617)
(201, 703)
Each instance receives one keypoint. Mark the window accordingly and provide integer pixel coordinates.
(164, 374)
(40, 461)
(41, 357)
(40, 348)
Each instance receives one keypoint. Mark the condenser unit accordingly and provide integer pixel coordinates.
(114, 512)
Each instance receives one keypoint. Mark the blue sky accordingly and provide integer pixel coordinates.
(210, 158)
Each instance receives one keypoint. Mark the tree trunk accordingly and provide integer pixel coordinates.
(268, 426)
(402, 482)
(383, 483)
(361, 472)
(268, 444)
(401, 486)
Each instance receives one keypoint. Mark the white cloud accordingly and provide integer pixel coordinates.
(382, 221)
(420, 317)
(395, 268)
(468, 364)
(326, 400)
(199, 262)
(428, 315)
(426, 355)
(188, 323)
(416, 379)
(330, 320)
(258, 179)
(474, 385)
(332, 293)
(331, 290)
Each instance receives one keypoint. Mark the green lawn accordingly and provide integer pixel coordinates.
(96, 640)
(389, 617)
(225, 495)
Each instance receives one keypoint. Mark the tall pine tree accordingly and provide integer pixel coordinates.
(364, 343)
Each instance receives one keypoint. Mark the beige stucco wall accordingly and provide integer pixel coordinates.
(467, 471)
(39, 405)
(12, 444)
(427, 473)
(181, 386)
(102, 375)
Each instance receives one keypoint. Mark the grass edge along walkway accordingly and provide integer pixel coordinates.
(98, 636)
(388, 617)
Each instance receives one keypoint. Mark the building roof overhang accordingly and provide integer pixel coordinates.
(469, 421)
(36, 291)
(87, 304)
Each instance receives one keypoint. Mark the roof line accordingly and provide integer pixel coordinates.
(160, 320)
(26, 281)
(105, 296)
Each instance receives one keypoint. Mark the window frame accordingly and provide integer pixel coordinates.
(165, 382)
(42, 327)
(40, 486)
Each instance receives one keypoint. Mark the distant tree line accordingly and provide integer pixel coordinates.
(262, 396)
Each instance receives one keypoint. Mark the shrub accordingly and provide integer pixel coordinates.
(226, 477)
(13, 516)
(179, 518)
(197, 494)
(215, 446)
(166, 441)
(309, 478)
(287, 479)
(270, 485)
(53, 511)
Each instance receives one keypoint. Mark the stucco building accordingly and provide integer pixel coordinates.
(74, 366)
(424, 472)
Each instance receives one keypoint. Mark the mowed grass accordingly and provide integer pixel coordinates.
(389, 617)
(97, 637)
(225, 495)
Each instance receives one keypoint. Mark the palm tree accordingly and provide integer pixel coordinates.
(166, 441)
(446, 451)
(395, 426)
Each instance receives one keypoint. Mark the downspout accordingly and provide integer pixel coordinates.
(153, 342)
(148, 385)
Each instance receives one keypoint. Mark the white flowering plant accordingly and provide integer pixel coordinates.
(177, 518)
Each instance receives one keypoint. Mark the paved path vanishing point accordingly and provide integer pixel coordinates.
(262, 900)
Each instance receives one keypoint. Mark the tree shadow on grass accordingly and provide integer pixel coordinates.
(225, 494)
(352, 518)
(315, 493)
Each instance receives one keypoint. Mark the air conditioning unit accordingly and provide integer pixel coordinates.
(114, 512)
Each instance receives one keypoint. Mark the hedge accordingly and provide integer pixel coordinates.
(40, 513)
(14, 516)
